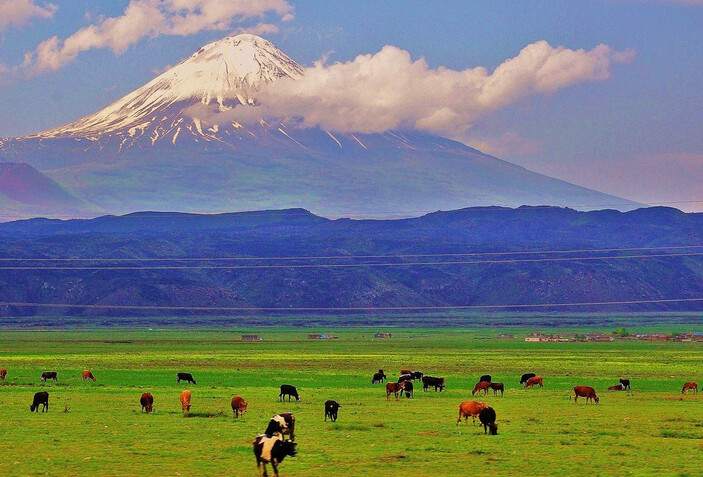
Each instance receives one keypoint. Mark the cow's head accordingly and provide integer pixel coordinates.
(288, 447)
(242, 407)
(493, 429)
(595, 398)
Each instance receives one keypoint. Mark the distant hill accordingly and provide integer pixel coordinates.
(508, 256)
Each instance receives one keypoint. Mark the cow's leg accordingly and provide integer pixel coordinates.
(576, 397)
(274, 464)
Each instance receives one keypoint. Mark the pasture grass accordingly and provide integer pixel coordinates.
(96, 428)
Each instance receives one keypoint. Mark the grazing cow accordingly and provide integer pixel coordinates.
(331, 408)
(185, 401)
(481, 386)
(526, 376)
(186, 377)
(690, 385)
(625, 384)
(409, 389)
(470, 408)
(487, 416)
(272, 450)
(534, 380)
(378, 378)
(49, 375)
(617, 387)
(585, 391)
(405, 377)
(3, 373)
(42, 397)
(283, 424)
(288, 390)
(438, 383)
(88, 375)
(239, 405)
(405, 371)
(394, 388)
(147, 402)
(497, 387)
(417, 375)
(486, 377)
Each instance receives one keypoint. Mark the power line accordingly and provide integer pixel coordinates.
(349, 308)
(342, 257)
(348, 265)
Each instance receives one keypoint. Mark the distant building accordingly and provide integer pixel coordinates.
(383, 335)
(506, 335)
(317, 336)
(251, 338)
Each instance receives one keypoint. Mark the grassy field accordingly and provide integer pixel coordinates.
(97, 428)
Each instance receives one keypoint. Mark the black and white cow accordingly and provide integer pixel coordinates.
(49, 375)
(283, 424)
(331, 408)
(272, 450)
(625, 384)
(408, 389)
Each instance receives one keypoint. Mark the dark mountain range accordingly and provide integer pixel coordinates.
(528, 255)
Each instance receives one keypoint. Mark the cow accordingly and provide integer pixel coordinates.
(497, 387)
(283, 424)
(481, 386)
(378, 378)
(405, 371)
(470, 408)
(409, 389)
(3, 373)
(185, 377)
(394, 388)
(147, 402)
(487, 416)
(417, 375)
(617, 387)
(585, 391)
(486, 377)
(272, 450)
(331, 408)
(534, 380)
(288, 390)
(239, 406)
(405, 377)
(185, 401)
(526, 376)
(88, 375)
(690, 385)
(625, 384)
(42, 397)
(49, 375)
(438, 383)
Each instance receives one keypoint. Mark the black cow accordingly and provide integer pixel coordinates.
(625, 384)
(409, 388)
(186, 377)
(526, 376)
(405, 377)
(49, 375)
(417, 375)
(283, 424)
(288, 390)
(331, 408)
(42, 397)
(497, 387)
(378, 378)
(487, 416)
(438, 383)
(272, 450)
(486, 377)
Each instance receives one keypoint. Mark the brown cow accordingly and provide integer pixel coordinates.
(88, 375)
(470, 408)
(406, 371)
(394, 388)
(185, 400)
(585, 391)
(147, 402)
(49, 375)
(481, 386)
(532, 381)
(617, 387)
(239, 405)
(690, 385)
(3, 373)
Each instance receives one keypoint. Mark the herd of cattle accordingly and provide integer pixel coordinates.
(278, 440)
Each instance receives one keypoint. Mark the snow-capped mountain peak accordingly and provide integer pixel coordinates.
(226, 72)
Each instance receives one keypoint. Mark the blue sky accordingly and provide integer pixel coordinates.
(636, 133)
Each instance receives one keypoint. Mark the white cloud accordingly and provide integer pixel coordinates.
(151, 18)
(388, 90)
(18, 12)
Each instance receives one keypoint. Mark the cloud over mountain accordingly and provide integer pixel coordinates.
(18, 12)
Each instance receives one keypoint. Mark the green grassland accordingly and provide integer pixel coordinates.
(97, 428)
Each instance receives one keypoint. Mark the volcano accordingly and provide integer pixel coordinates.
(154, 150)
